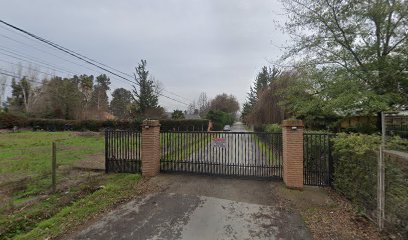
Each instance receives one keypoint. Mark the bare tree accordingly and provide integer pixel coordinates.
(3, 80)
(203, 104)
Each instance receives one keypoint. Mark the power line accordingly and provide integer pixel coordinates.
(51, 54)
(34, 63)
(11, 51)
(7, 73)
(32, 69)
(177, 95)
(66, 50)
(82, 57)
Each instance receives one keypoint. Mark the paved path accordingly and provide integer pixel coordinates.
(197, 207)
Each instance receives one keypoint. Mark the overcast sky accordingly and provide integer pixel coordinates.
(191, 46)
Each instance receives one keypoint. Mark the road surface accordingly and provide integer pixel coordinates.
(197, 207)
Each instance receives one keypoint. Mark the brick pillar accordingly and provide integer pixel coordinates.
(150, 148)
(292, 136)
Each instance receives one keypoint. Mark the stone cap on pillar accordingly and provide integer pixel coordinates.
(292, 123)
(151, 123)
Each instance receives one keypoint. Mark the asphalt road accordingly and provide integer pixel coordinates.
(197, 207)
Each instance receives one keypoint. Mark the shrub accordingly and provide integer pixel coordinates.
(184, 124)
(220, 119)
(365, 128)
(8, 120)
(355, 172)
(272, 128)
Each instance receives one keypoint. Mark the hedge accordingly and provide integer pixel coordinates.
(355, 176)
(9, 121)
(184, 124)
(77, 125)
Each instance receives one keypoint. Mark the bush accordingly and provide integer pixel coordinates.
(355, 171)
(8, 120)
(365, 128)
(273, 128)
(77, 125)
(355, 174)
(184, 124)
(220, 119)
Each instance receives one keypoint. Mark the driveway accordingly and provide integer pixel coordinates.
(238, 152)
(201, 207)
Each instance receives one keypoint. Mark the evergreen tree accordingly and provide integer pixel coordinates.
(145, 94)
(262, 81)
(177, 114)
(121, 103)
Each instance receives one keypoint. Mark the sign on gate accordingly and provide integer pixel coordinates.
(218, 142)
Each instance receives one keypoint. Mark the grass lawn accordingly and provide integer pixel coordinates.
(28, 208)
(180, 146)
(266, 149)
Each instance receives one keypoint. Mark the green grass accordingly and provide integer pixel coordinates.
(29, 210)
(119, 187)
(180, 146)
(266, 150)
(29, 153)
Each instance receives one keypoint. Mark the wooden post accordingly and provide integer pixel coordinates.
(54, 166)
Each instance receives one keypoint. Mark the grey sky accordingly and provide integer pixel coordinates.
(191, 46)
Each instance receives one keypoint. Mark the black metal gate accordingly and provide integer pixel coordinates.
(122, 151)
(244, 154)
(318, 159)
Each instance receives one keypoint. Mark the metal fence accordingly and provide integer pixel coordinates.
(318, 159)
(395, 182)
(122, 151)
(396, 124)
(243, 154)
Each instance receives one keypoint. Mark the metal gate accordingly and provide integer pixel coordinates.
(318, 159)
(244, 154)
(122, 151)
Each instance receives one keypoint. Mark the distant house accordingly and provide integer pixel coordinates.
(100, 116)
(192, 116)
(398, 119)
(186, 116)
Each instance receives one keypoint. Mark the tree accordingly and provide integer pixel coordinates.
(121, 103)
(3, 80)
(20, 95)
(99, 99)
(86, 88)
(356, 50)
(60, 98)
(220, 119)
(262, 81)
(177, 114)
(203, 104)
(268, 107)
(225, 103)
(145, 93)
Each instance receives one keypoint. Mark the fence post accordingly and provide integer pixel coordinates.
(150, 148)
(380, 189)
(292, 136)
(54, 166)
